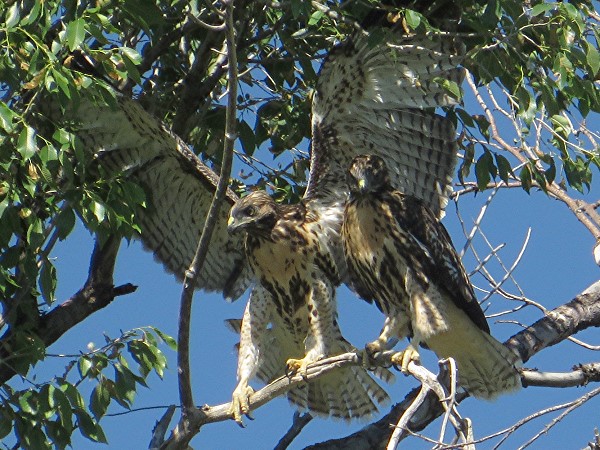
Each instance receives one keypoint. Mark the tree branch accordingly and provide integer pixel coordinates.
(298, 424)
(580, 313)
(184, 431)
(97, 292)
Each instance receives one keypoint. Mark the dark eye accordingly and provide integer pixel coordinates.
(251, 211)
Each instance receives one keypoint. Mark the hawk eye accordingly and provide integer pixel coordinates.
(251, 211)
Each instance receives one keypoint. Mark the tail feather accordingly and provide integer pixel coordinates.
(347, 393)
(486, 368)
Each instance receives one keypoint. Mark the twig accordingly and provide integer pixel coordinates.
(576, 404)
(158, 433)
(183, 362)
(298, 423)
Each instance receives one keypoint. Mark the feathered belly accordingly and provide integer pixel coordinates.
(372, 262)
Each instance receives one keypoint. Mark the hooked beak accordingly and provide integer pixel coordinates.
(232, 226)
(363, 186)
(235, 226)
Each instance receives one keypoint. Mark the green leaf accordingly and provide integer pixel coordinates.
(88, 428)
(542, 8)
(26, 145)
(63, 407)
(13, 15)
(172, 343)
(73, 395)
(65, 222)
(131, 59)
(124, 384)
(75, 33)
(99, 210)
(413, 18)
(504, 168)
(484, 167)
(315, 17)
(525, 176)
(84, 366)
(593, 59)
(27, 402)
(6, 117)
(48, 281)
(246, 136)
(99, 400)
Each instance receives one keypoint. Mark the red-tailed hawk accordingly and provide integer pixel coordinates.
(370, 98)
(295, 274)
(401, 257)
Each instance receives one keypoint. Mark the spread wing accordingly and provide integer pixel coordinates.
(380, 99)
(179, 187)
(428, 248)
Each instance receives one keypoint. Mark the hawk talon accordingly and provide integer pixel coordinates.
(240, 404)
(371, 353)
(299, 366)
(402, 359)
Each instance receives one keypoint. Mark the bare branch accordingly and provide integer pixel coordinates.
(97, 293)
(576, 404)
(184, 428)
(298, 424)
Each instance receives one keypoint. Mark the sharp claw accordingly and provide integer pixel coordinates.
(240, 405)
(299, 366)
(372, 350)
(402, 359)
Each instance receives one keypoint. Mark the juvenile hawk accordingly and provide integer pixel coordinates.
(401, 257)
(291, 259)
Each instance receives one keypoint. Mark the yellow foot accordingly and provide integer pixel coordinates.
(403, 358)
(372, 350)
(299, 366)
(240, 403)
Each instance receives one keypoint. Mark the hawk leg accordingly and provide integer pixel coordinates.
(321, 326)
(240, 402)
(394, 327)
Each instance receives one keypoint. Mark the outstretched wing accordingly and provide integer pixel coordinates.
(126, 139)
(380, 99)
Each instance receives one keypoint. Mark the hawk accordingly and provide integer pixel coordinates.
(401, 257)
(372, 96)
(290, 256)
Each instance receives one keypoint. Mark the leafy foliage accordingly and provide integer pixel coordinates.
(46, 415)
(536, 63)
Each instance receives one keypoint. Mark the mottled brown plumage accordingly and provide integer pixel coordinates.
(294, 300)
(401, 257)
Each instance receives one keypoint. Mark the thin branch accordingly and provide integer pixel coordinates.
(298, 424)
(576, 404)
(184, 429)
(97, 293)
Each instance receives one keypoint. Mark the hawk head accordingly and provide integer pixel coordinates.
(255, 213)
(367, 174)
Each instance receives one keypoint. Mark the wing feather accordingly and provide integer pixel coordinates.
(124, 138)
(430, 248)
(380, 99)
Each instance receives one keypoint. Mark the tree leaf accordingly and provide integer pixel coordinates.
(75, 33)
(26, 145)
(6, 117)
